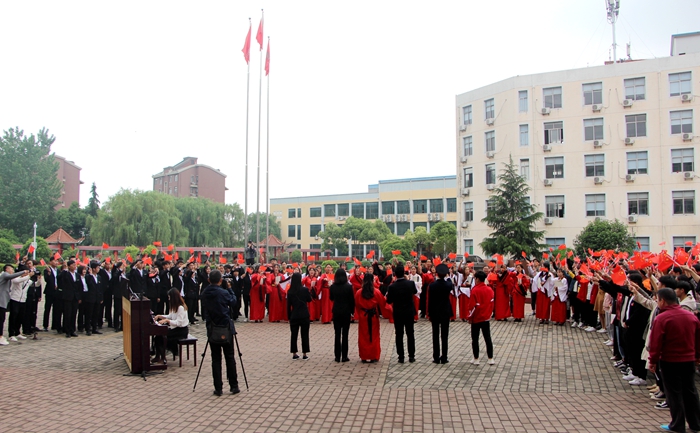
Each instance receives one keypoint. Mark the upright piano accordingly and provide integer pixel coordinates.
(138, 327)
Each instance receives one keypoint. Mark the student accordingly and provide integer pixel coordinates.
(298, 298)
(481, 308)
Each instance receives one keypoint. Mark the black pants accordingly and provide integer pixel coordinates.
(246, 302)
(342, 328)
(231, 373)
(239, 301)
(48, 303)
(30, 313)
(106, 310)
(250, 262)
(401, 324)
(70, 311)
(57, 314)
(485, 328)
(533, 300)
(16, 317)
(117, 318)
(636, 346)
(681, 394)
(191, 306)
(93, 316)
(441, 331)
(81, 316)
(295, 325)
(421, 303)
(3, 312)
(174, 335)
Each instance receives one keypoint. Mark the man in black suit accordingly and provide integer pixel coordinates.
(166, 283)
(92, 300)
(137, 279)
(400, 294)
(52, 297)
(115, 283)
(72, 289)
(440, 312)
(153, 288)
(105, 276)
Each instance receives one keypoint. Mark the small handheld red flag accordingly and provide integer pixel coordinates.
(171, 247)
(414, 254)
(154, 251)
(31, 249)
(158, 243)
(222, 260)
(56, 256)
(562, 246)
(523, 254)
(105, 246)
(43, 263)
(452, 256)
(191, 250)
(396, 252)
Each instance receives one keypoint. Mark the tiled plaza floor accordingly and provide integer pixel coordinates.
(547, 379)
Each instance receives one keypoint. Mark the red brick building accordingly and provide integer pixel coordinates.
(69, 175)
(189, 179)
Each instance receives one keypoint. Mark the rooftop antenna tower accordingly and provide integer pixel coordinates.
(613, 7)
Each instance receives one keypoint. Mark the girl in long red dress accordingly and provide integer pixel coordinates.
(465, 286)
(502, 293)
(543, 283)
(519, 291)
(311, 282)
(559, 296)
(326, 303)
(278, 296)
(257, 295)
(368, 304)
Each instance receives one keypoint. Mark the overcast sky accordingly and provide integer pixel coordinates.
(359, 91)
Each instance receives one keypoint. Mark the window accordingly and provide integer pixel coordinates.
(298, 212)
(402, 228)
(636, 125)
(680, 83)
(298, 233)
(682, 160)
(554, 167)
(388, 207)
(291, 231)
(467, 115)
(525, 169)
(468, 177)
(552, 97)
(489, 108)
(451, 205)
(315, 212)
(643, 243)
(524, 135)
(592, 93)
(436, 205)
(392, 227)
(638, 203)
(490, 206)
(469, 211)
(315, 246)
(469, 246)
(175, 190)
(593, 129)
(344, 209)
(490, 173)
(372, 209)
(191, 179)
(680, 242)
(595, 204)
(683, 202)
(490, 140)
(637, 162)
(329, 210)
(554, 206)
(420, 206)
(681, 121)
(553, 132)
(522, 101)
(358, 210)
(402, 207)
(314, 229)
(177, 176)
(420, 224)
(595, 165)
(635, 89)
(468, 146)
(554, 242)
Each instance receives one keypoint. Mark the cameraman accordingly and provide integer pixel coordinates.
(250, 254)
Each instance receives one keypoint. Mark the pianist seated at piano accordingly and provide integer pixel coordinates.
(177, 322)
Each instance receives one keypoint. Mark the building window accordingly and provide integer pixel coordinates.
(175, 190)
(489, 108)
(314, 229)
(524, 135)
(315, 246)
(291, 231)
(490, 173)
(554, 242)
(635, 89)
(358, 210)
(553, 132)
(467, 115)
(392, 227)
(402, 206)
(436, 205)
(592, 93)
(469, 246)
(402, 228)
(420, 206)
(468, 211)
(525, 169)
(637, 162)
(683, 202)
(680, 83)
(388, 208)
(643, 243)
(292, 213)
(522, 101)
(681, 121)
(451, 205)
(638, 203)
(682, 160)
(191, 179)
(636, 125)
(595, 165)
(344, 209)
(372, 209)
(298, 233)
(468, 149)
(298, 212)
(595, 204)
(554, 167)
(552, 97)
(490, 140)
(315, 212)
(554, 206)
(490, 206)
(170, 190)
(682, 242)
(468, 177)
(329, 210)
(593, 129)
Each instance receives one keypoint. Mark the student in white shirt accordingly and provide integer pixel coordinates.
(178, 326)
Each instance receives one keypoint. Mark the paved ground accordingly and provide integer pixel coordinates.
(547, 379)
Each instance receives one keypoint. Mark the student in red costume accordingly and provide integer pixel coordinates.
(258, 290)
(326, 304)
(519, 292)
(502, 287)
(311, 283)
(368, 304)
(276, 281)
(465, 288)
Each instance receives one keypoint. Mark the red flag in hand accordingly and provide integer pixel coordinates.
(158, 243)
(545, 256)
(437, 261)
(523, 254)
(56, 256)
(43, 263)
(191, 250)
(31, 249)
(396, 252)
(423, 258)
(570, 253)
(562, 246)
(171, 247)
(154, 251)
(347, 259)
(105, 246)
(466, 254)
(619, 276)
(665, 262)
(222, 260)
(452, 256)
(414, 254)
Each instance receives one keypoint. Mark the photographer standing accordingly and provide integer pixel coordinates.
(250, 254)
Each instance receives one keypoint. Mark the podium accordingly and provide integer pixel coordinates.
(138, 327)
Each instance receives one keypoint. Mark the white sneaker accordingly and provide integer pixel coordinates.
(638, 382)
(589, 329)
(21, 337)
(609, 343)
(629, 377)
(474, 362)
(602, 331)
(581, 325)
(13, 339)
(3, 341)
(491, 361)
(574, 324)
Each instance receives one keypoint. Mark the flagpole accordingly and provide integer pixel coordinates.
(247, 109)
(267, 152)
(257, 201)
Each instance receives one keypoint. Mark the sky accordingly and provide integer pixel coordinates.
(358, 91)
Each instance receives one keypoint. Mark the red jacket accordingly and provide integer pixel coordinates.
(674, 336)
(480, 303)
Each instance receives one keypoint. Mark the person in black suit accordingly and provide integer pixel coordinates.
(400, 294)
(115, 286)
(105, 276)
(298, 298)
(137, 279)
(72, 290)
(51, 299)
(165, 285)
(191, 281)
(440, 312)
(153, 288)
(93, 300)
(343, 299)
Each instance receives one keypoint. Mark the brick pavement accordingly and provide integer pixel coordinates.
(547, 379)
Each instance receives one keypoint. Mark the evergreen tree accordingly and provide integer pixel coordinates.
(511, 217)
(604, 235)
(93, 202)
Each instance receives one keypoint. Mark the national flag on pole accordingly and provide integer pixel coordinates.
(267, 59)
(246, 45)
(259, 35)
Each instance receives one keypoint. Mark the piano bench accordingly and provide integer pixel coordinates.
(187, 342)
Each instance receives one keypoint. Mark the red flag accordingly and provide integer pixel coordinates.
(191, 250)
(43, 263)
(171, 247)
(167, 257)
(492, 277)
(562, 246)
(357, 262)
(639, 245)
(259, 35)
(437, 261)
(154, 251)
(241, 261)
(523, 254)
(108, 260)
(347, 259)
(158, 243)
(31, 249)
(222, 260)
(570, 253)
(681, 256)
(267, 59)
(128, 258)
(466, 254)
(105, 246)
(545, 255)
(56, 256)
(246, 45)
(423, 258)
(618, 276)
(414, 254)
(499, 260)
(148, 261)
(689, 243)
(198, 259)
(662, 243)
(396, 252)
(177, 256)
(665, 262)
(452, 256)
(562, 263)
(17, 255)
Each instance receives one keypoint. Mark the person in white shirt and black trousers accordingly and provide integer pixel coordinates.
(178, 323)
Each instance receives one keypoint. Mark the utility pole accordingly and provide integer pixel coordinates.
(613, 7)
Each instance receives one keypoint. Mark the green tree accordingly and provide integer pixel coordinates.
(445, 235)
(69, 252)
(394, 242)
(235, 218)
(295, 256)
(132, 250)
(333, 264)
(275, 228)
(29, 188)
(7, 251)
(420, 240)
(334, 238)
(72, 219)
(205, 222)
(42, 249)
(9, 235)
(511, 217)
(603, 234)
(93, 202)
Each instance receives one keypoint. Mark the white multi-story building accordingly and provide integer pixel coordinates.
(616, 141)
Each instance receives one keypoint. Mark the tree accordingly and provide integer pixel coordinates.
(334, 238)
(512, 217)
(7, 251)
(394, 242)
(295, 256)
(29, 187)
(419, 239)
(608, 235)
(445, 235)
(275, 227)
(9, 235)
(72, 219)
(93, 202)
(205, 222)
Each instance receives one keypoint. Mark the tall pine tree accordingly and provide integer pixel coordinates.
(512, 217)
(93, 202)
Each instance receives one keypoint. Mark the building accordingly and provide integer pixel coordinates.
(69, 175)
(402, 204)
(189, 179)
(616, 141)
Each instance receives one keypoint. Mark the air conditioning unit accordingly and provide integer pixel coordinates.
(597, 107)
(548, 221)
(688, 175)
(597, 143)
(687, 136)
(545, 111)
(490, 121)
(686, 98)
(465, 191)
(430, 217)
(490, 186)
(598, 180)
(547, 147)
(627, 102)
(632, 219)
(437, 217)
(598, 219)
(462, 128)
(629, 141)
(403, 218)
(629, 178)
(465, 224)
(547, 182)
(463, 160)
(490, 154)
